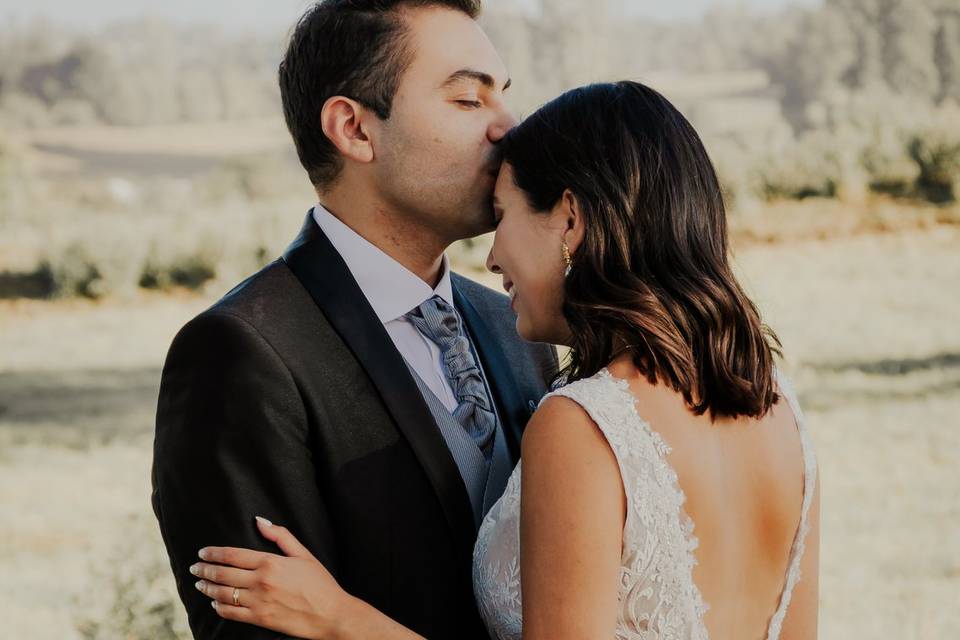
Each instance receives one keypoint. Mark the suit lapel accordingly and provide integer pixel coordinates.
(514, 413)
(324, 274)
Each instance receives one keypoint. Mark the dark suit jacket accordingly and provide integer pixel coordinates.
(288, 399)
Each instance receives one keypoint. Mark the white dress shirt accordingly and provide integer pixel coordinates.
(393, 290)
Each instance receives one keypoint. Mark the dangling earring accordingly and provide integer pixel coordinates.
(566, 259)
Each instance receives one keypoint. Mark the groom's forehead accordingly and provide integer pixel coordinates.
(446, 43)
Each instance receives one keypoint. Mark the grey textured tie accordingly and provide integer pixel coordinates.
(439, 322)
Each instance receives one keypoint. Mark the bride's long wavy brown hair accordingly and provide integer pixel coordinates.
(652, 271)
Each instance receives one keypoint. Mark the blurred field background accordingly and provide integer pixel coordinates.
(144, 169)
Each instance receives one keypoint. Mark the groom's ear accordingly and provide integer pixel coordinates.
(344, 122)
(572, 215)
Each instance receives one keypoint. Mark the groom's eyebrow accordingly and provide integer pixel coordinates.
(472, 74)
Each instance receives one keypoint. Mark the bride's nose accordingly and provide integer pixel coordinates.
(492, 265)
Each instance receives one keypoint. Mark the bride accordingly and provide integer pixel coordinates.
(668, 481)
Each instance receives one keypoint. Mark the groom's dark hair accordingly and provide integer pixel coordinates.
(353, 48)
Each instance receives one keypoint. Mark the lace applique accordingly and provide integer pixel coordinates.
(496, 565)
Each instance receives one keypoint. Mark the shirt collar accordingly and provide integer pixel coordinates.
(390, 288)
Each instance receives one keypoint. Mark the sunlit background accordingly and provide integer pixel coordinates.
(145, 168)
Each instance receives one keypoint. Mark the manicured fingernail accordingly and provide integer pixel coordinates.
(264, 521)
(213, 603)
(199, 585)
(195, 569)
(202, 553)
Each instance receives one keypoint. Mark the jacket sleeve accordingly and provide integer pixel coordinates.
(232, 442)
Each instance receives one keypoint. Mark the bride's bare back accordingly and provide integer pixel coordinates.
(743, 479)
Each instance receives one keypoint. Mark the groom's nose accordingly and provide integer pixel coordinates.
(504, 121)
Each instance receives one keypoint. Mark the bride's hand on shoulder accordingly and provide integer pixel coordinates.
(292, 593)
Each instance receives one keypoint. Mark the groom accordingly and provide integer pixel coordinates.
(355, 390)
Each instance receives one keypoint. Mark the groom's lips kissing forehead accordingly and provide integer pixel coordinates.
(496, 159)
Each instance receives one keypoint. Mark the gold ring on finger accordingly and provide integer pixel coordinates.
(236, 596)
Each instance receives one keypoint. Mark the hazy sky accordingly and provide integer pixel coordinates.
(274, 14)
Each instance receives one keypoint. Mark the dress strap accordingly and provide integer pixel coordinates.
(809, 485)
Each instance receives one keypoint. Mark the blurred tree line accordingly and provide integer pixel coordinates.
(133, 73)
(865, 92)
(148, 71)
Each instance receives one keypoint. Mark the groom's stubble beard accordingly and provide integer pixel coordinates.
(446, 194)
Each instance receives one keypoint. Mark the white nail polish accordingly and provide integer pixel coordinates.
(194, 569)
(264, 521)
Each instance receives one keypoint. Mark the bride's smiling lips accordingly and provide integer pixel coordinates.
(508, 287)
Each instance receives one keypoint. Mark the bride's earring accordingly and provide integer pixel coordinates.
(566, 259)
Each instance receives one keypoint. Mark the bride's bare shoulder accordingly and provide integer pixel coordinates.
(558, 418)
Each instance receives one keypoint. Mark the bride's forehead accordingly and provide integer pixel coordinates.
(505, 194)
(505, 184)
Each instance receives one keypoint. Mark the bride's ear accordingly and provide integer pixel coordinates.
(572, 220)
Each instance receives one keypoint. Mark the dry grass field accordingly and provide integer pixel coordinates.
(869, 323)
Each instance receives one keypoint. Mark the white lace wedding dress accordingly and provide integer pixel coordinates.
(657, 596)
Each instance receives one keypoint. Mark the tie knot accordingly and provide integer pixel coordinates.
(433, 305)
(437, 320)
